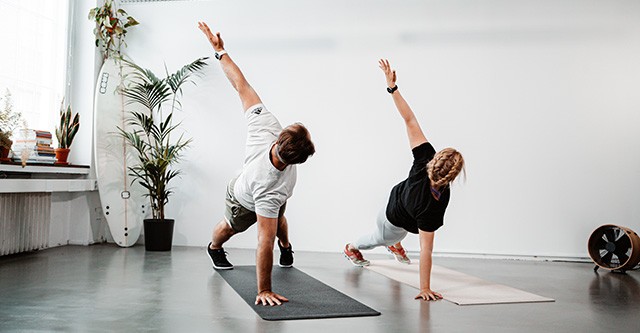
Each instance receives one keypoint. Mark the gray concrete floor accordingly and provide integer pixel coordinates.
(103, 288)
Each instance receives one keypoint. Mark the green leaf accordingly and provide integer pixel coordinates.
(131, 21)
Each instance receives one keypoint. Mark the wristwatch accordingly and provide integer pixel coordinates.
(219, 54)
(392, 90)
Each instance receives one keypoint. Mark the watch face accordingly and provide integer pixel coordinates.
(217, 56)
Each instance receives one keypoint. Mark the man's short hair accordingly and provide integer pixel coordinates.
(294, 144)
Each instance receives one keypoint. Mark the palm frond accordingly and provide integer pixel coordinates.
(177, 79)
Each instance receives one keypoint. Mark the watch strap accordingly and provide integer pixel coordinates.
(220, 53)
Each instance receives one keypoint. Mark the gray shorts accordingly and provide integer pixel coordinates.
(239, 217)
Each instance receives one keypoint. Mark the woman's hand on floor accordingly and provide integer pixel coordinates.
(429, 295)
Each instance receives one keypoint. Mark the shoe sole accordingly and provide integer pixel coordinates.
(222, 268)
(285, 266)
(397, 258)
(213, 264)
(403, 261)
(353, 263)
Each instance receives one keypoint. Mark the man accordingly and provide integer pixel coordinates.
(267, 180)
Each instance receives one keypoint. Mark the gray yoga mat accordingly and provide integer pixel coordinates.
(308, 297)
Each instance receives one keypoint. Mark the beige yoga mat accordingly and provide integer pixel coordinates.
(456, 287)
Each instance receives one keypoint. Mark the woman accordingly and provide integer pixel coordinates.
(418, 203)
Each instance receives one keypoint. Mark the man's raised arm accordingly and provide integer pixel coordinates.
(248, 96)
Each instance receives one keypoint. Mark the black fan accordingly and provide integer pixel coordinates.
(614, 248)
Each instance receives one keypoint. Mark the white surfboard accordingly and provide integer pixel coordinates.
(123, 203)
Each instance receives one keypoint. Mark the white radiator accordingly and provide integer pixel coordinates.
(24, 221)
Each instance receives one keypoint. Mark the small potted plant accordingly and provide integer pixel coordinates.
(111, 28)
(152, 135)
(5, 146)
(10, 120)
(66, 133)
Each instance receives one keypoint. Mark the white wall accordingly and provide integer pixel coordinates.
(540, 96)
(82, 73)
(77, 219)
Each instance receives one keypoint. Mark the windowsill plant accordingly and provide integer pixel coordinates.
(65, 133)
(10, 120)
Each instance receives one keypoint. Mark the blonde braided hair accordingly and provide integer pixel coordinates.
(445, 167)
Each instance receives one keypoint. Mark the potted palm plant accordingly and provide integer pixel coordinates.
(152, 135)
(65, 133)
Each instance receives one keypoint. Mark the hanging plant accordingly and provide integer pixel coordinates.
(111, 28)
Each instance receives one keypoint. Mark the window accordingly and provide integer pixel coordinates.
(33, 60)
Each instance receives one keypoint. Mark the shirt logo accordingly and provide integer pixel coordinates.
(257, 110)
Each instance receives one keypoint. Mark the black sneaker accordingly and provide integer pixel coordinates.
(286, 256)
(219, 258)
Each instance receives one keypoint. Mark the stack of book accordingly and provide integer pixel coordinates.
(33, 146)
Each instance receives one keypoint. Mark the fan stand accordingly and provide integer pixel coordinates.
(619, 271)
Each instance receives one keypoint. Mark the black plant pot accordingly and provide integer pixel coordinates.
(158, 234)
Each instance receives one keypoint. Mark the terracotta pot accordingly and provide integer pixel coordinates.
(61, 156)
(4, 154)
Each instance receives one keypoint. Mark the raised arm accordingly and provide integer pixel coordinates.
(248, 96)
(416, 137)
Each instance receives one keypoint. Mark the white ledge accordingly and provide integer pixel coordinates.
(47, 185)
(39, 169)
(45, 178)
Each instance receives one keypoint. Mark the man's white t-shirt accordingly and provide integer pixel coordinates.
(261, 187)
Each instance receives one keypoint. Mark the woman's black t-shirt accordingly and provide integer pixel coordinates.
(411, 205)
